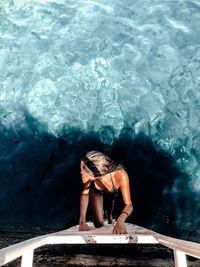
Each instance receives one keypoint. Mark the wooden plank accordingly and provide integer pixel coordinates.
(73, 236)
(106, 229)
(100, 239)
(103, 235)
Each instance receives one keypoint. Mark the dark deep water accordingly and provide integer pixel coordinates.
(41, 182)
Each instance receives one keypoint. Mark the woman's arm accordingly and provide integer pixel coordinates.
(84, 200)
(120, 227)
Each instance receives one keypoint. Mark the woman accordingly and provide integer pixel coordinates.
(101, 174)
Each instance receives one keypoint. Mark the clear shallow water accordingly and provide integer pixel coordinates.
(90, 64)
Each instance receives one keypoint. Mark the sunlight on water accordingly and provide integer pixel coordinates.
(89, 64)
(125, 63)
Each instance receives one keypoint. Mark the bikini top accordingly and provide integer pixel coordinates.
(114, 190)
(93, 184)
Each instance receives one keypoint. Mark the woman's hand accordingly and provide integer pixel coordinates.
(120, 228)
(83, 227)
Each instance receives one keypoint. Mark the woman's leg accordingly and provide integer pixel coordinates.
(108, 206)
(96, 204)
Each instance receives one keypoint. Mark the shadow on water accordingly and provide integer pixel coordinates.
(41, 183)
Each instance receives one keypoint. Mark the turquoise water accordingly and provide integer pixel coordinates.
(88, 64)
(91, 64)
(109, 59)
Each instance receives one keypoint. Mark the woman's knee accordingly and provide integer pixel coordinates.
(98, 223)
(98, 219)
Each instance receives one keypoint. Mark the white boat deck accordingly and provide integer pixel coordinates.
(103, 235)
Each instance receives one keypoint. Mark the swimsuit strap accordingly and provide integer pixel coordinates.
(113, 188)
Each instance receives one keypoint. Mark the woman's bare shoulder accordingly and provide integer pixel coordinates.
(121, 175)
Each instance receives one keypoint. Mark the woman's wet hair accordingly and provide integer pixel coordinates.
(100, 164)
(91, 166)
